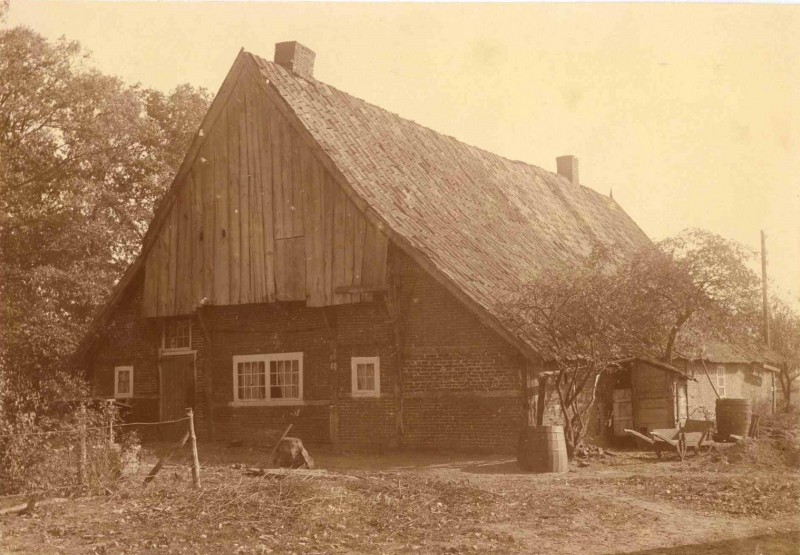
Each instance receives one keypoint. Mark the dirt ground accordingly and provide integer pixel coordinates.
(622, 503)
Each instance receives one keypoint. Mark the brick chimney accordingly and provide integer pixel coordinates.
(567, 166)
(296, 58)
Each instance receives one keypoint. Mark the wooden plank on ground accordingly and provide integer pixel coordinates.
(265, 152)
(234, 187)
(222, 251)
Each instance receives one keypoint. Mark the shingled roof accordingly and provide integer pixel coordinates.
(731, 353)
(485, 222)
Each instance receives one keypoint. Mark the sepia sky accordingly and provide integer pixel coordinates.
(690, 113)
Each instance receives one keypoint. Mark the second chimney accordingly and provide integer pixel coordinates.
(296, 58)
(567, 166)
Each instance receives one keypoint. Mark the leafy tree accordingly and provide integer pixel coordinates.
(665, 297)
(694, 286)
(84, 159)
(583, 321)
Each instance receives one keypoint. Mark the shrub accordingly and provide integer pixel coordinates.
(40, 452)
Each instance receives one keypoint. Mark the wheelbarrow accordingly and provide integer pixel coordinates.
(695, 434)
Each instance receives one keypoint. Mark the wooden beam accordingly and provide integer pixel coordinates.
(357, 289)
(208, 374)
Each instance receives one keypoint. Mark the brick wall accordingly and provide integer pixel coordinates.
(129, 341)
(740, 382)
(461, 379)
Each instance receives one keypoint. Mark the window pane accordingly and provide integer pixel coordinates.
(177, 334)
(251, 380)
(123, 381)
(284, 379)
(365, 377)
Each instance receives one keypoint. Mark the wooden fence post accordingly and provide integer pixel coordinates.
(110, 414)
(82, 445)
(195, 458)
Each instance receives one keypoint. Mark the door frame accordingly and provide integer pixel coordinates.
(169, 354)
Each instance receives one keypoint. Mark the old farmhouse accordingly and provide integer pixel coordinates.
(323, 262)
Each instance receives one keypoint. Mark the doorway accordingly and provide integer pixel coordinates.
(177, 384)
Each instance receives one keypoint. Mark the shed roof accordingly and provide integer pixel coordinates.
(731, 353)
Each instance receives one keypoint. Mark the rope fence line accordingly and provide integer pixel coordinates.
(105, 428)
(83, 448)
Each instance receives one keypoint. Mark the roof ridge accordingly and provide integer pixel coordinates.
(317, 82)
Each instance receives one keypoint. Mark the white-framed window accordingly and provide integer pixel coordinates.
(177, 334)
(721, 380)
(272, 379)
(123, 382)
(365, 376)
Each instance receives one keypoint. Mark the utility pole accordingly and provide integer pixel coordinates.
(764, 290)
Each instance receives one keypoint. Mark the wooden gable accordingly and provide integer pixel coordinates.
(257, 218)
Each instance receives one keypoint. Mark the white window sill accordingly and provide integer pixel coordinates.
(182, 351)
(268, 403)
(366, 395)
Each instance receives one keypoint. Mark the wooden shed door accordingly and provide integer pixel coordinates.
(177, 392)
(623, 411)
(654, 402)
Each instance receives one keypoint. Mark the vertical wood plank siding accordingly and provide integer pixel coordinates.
(258, 218)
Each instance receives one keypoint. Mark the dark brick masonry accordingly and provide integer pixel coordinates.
(461, 380)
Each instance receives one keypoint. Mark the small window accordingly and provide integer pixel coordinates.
(721, 380)
(177, 334)
(268, 379)
(366, 376)
(123, 382)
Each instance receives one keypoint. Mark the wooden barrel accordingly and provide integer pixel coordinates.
(733, 417)
(542, 449)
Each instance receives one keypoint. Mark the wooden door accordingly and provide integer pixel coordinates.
(177, 393)
(654, 405)
(623, 411)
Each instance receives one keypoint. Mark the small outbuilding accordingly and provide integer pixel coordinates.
(733, 371)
